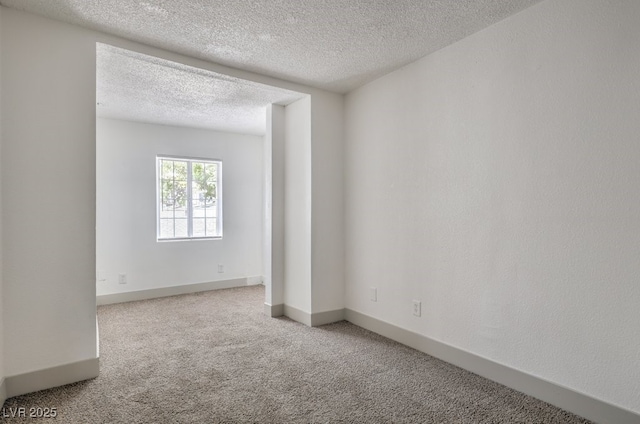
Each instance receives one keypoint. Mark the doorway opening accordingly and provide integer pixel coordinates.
(150, 107)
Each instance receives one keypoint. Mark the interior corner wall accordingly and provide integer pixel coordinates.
(496, 180)
(327, 215)
(274, 195)
(48, 193)
(297, 214)
(126, 225)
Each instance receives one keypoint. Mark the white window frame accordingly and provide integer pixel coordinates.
(189, 204)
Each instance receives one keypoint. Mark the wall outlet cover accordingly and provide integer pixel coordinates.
(417, 308)
(373, 294)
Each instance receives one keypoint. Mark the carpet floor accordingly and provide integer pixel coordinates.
(215, 357)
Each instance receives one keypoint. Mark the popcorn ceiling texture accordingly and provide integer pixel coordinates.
(137, 87)
(333, 44)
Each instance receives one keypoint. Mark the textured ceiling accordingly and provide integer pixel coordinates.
(332, 44)
(138, 87)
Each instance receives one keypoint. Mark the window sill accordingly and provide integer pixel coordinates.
(188, 239)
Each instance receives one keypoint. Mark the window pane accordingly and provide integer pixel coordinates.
(166, 228)
(180, 195)
(198, 211)
(198, 227)
(211, 192)
(166, 213)
(197, 196)
(197, 171)
(211, 171)
(211, 211)
(206, 194)
(182, 227)
(166, 194)
(211, 227)
(180, 170)
(166, 169)
(204, 189)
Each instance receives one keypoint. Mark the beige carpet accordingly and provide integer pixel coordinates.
(215, 357)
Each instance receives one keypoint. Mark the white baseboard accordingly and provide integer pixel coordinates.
(274, 310)
(327, 317)
(555, 394)
(297, 315)
(107, 299)
(254, 281)
(3, 392)
(313, 320)
(51, 377)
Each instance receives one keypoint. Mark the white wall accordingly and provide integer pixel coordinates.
(327, 214)
(48, 193)
(274, 195)
(126, 207)
(297, 216)
(497, 181)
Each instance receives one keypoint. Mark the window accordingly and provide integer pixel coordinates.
(189, 198)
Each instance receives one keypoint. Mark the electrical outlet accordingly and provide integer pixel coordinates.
(122, 278)
(417, 308)
(373, 294)
(220, 268)
(101, 276)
